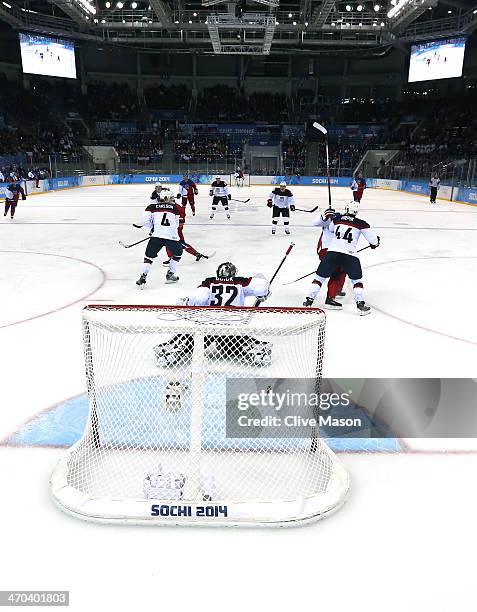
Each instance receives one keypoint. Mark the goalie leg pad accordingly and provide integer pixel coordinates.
(245, 349)
(174, 352)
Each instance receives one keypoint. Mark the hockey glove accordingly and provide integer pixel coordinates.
(262, 298)
(292, 207)
(229, 196)
(196, 191)
(375, 246)
(178, 196)
(328, 214)
(269, 203)
(23, 196)
(211, 192)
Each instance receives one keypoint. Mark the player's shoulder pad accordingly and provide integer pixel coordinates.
(208, 281)
(288, 193)
(153, 207)
(154, 195)
(361, 223)
(242, 280)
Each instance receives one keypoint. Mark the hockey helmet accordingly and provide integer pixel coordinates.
(352, 208)
(226, 270)
(283, 184)
(158, 185)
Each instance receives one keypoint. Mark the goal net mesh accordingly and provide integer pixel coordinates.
(157, 426)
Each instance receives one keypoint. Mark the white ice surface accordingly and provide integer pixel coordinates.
(405, 539)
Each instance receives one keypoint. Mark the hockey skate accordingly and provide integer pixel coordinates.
(273, 232)
(141, 281)
(287, 231)
(308, 302)
(174, 352)
(211, 216)
(363, 308)
(171, 277)
(228, 216)
(332, 304)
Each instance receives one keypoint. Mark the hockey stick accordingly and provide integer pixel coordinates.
(310, 211)
(314, 271)
(128, 246)
(241, 201)
(324, 131)
(292, 244)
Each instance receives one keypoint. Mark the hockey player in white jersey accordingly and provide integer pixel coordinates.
(226, 289)
(347, 230)
(281, 202)
(337, 279)
(219, 193)
(159, 193)
(162, 219)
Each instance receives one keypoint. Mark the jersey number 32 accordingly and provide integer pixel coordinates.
(221, 293)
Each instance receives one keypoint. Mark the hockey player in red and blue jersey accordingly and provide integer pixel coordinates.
(187, 191)
(13, 193)
(357, 187)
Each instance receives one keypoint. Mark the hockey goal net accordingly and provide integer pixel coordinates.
(157, 448)
(245, 182)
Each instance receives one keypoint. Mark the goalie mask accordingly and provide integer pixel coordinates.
(352, 208)
(226, 270)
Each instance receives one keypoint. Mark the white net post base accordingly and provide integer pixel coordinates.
(155, 449)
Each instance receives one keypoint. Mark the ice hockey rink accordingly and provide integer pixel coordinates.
(407, 526)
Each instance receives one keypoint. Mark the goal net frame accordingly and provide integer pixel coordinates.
(101, 456)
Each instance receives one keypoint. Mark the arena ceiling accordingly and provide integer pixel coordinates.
(244, 27)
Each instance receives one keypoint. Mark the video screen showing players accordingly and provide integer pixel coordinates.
(442, 59)
(48, 56)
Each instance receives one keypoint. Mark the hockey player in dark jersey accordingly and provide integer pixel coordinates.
(13, 193)
(187, 191)
(226, 289)
(188, 248)
(347, 230)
